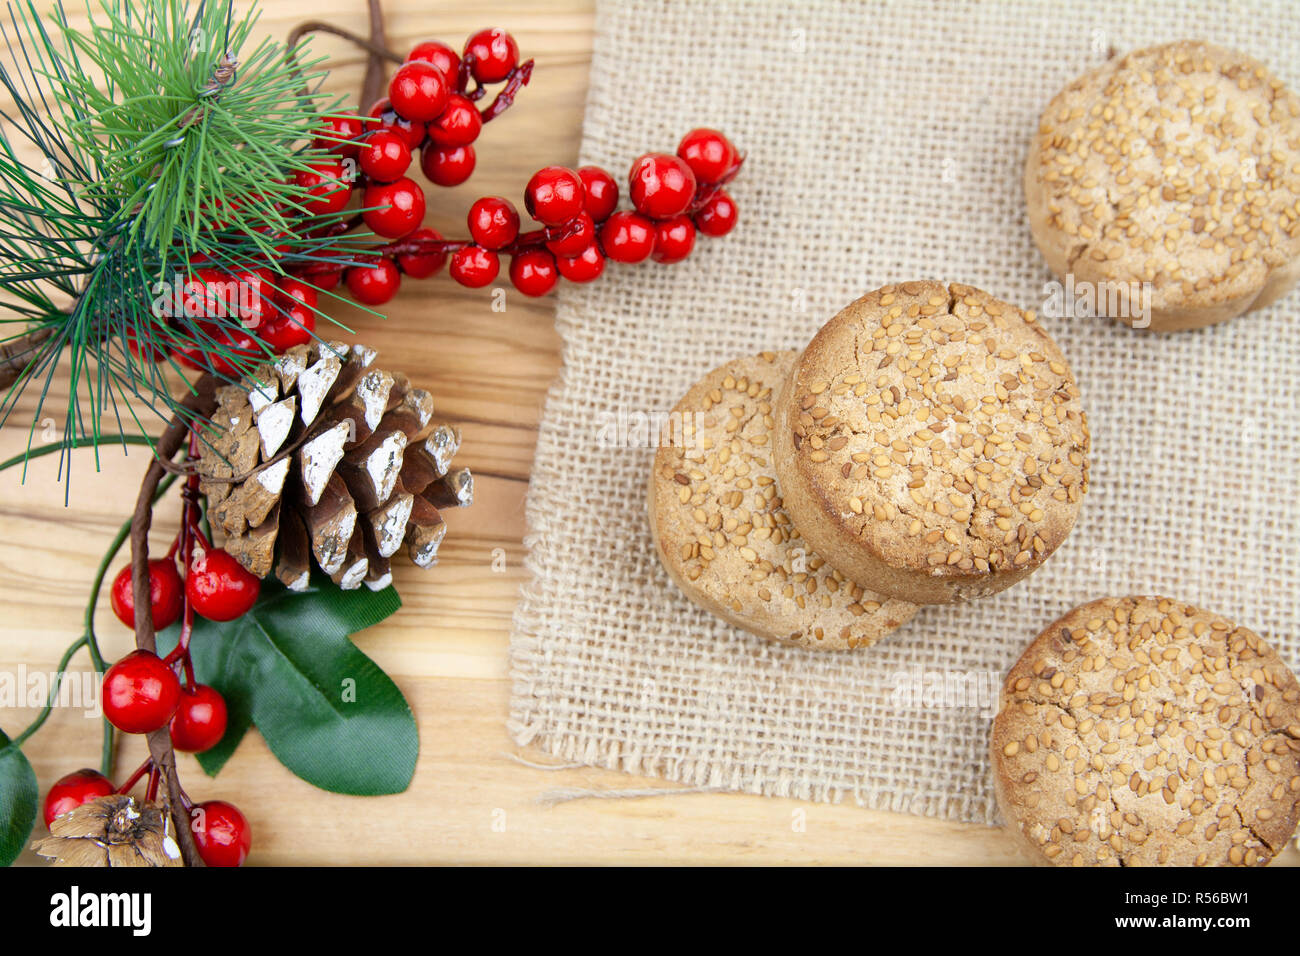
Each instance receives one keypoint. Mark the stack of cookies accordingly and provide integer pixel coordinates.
(928, 446)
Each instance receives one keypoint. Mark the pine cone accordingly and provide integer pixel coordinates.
(112, 831)
(334, 460)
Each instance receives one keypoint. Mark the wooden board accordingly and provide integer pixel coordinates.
(472, 799)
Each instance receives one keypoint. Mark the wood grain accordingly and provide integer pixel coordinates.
(471, 801)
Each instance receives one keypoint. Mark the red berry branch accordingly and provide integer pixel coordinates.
(674, 198)
(431, 110)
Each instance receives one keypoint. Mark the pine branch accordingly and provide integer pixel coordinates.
(157, 136)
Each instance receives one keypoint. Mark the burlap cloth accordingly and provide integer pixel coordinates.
(884, 142)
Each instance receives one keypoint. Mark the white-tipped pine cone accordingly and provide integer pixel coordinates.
(323, 457)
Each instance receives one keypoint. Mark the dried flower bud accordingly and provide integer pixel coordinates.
(116, 830)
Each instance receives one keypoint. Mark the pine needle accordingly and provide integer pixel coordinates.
(156, 136)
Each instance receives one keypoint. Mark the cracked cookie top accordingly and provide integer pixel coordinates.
(1141, 730)
(1178, 166)
(721, 529)
(942, 428)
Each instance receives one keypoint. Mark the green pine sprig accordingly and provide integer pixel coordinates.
(156, 137)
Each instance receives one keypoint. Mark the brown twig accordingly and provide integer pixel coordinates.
(320, 26)
(374, 79)
(18, 355)
(202, 402)
(376, 47)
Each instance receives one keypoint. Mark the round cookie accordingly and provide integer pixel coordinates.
(722, 533)
(1138, 731)
(1177, 167)
(930, 443)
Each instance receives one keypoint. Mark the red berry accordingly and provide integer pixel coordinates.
(601, 192)
(418, 91)
(411, 131)
(674, 239)
(661, 186)
(421, 265)
(554, 195)
(533, 272)
(709, 154)
(495, 54)
(440, 55)
(140, 693)
(574, 236)
(717, 216)
(219, 587)
(295, 327)
(165, 590)
(584, 267)
(74, 789)
(493, 222)
(376, 284)
(221, 833)
(328, 186)
(627, 237)
(327, 281)
(238, 345)
(457, 125)
(447, 166)
(393, 209)
(384, 156)
(474, 266)
(206, 294)
(290, 292)
(251, 303)
(142, 351)
(200, 719)
(338, 135)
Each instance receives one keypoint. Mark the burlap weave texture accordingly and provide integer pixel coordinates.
(884, 142)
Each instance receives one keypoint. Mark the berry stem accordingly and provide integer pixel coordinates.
(408, 247)
(707, 191)
(463, 74)
(188, 535)
(151, 791)
(140, 771)
(517, 80)
(199, 404)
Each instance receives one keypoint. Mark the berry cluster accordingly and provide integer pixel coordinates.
(674, 198)
(143, 692)
(431, 109)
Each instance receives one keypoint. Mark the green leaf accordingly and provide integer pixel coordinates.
(17, 801)
(325, 709)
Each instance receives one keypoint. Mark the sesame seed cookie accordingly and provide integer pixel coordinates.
(1140, 730)
(930, 443)
(722, 532)
(1177, 167)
